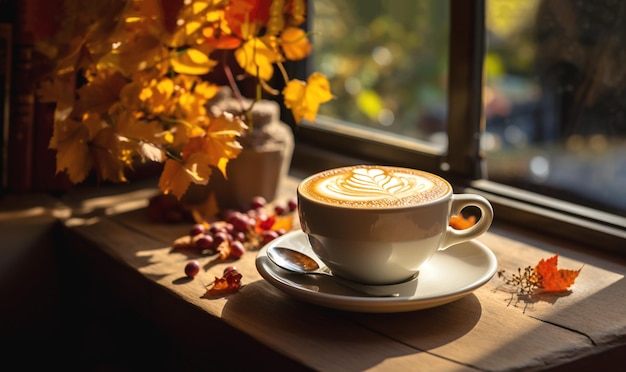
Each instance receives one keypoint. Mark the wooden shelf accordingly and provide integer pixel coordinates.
(491, 329)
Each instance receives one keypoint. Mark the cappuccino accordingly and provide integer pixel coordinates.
(378, 224)
(374, 186)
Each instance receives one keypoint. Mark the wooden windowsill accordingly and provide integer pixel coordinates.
(490, 329)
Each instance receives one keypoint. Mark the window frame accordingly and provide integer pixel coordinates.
(323, 144)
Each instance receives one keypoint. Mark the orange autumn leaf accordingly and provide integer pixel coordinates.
(295, 44)
(218, 38)
(460, 222)
(223, 250)
(552, 279)
(283, 223)
(228, 284)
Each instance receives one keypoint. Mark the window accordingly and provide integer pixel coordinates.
(555, 99)
(387, 62)
(515, 156)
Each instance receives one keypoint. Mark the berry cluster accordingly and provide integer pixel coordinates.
(218, 238)
(234, 232)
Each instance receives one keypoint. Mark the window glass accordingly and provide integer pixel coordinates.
(555, 99)
(386, 62)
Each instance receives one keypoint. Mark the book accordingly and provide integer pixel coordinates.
(28, 163)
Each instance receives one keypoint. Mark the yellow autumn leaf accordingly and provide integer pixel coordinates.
(174, 179)
(143, 52)
(127, 125)
(198, 168)
(70, 140)
(142, 10)
(221, 165)
(221, 139)
(157, 96)
(219, 143)
(192, 62)
(200, 6)
(106, 154)
(206, 90)
(295, 44)
(129, 98)
(99, 94)
(194, 15)
(76, 57)
(55, 90)
(177, 176)
(178, 135)
(304, 99)
(59, 91)
(256, 58)
(94, 124)
(191, 107)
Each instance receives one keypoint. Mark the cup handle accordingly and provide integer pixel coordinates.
(460, 201)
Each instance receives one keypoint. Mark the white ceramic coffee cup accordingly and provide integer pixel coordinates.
(379, 224)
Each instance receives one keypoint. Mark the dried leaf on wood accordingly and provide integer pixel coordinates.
(552, 279)
(228, 284)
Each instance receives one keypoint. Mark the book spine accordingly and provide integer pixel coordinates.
(6, 55)
(20, 144)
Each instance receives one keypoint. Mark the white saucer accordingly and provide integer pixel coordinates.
(448, 276)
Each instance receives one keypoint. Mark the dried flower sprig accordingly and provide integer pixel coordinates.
(525, 280)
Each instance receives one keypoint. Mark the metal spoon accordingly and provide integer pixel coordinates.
(298, 262)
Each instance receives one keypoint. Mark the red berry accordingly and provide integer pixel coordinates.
(214, 229)
(257, 202)
(221, 237)
(229, 269)
(240, 236)
(292, 204)
(192, 268)
(205, 242)
(228, 213)
(197, 229)
(229, 228)
(237, 249)
(269, 235)
(279, 209)
(267, 223)
(240, 222)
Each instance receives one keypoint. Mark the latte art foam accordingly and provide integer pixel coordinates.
(374, 187)
(372, 183)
